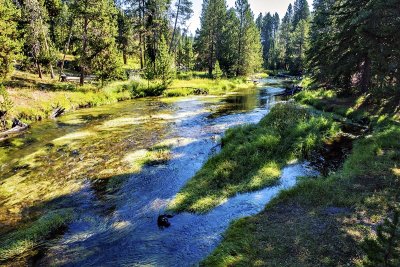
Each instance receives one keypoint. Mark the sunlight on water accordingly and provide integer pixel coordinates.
(119, 166)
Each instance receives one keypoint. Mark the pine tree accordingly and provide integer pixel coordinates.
(321, 41)
(209, 35)
(40, 47)
(97, 32)
(229, 44)
(188, 54)
(183, 13)
(249, 43)
(301, 11)
(217, 71)
(9, 44)
(164, 63)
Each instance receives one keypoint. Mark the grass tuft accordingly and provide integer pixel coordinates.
(23, 240)
(253, 155)
(321, 221)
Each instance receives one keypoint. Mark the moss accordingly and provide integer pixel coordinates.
(253, 155)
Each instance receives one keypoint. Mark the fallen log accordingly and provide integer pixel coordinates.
(57, 112)
(18, 127)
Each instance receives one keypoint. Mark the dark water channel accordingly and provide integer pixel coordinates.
(79, 151)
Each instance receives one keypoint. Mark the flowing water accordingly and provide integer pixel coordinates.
(89, 160)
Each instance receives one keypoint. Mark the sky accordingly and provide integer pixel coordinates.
(257, 6)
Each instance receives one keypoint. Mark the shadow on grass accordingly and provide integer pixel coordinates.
(323, 221)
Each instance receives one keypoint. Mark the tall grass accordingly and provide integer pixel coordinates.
(23, 240)
(253, 156)
(322, 221)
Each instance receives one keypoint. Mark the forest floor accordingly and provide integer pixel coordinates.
(323, 221)
(35, 99)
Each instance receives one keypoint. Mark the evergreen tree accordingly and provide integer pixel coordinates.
(217, 71)
(209, 36)
(249, 44)
(9, 36)
(301, 11)
(187, 53)
(321, 41)
(40, 47)
(125, 33)
(229, 44)
(164, 62)
(97, 30)
(183, 13)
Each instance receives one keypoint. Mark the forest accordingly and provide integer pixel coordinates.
(260, 138)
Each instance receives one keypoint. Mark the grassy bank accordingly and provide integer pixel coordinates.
(325, 221)
(26, 239)
(253, 156)
(374, 107)
(35, 99)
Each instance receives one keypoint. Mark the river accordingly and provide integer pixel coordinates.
(69, 162)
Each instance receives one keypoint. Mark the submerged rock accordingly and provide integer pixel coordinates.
(163, 221)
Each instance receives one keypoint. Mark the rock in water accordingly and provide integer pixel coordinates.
(163, 221)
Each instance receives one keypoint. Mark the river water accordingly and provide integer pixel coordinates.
(68, 163)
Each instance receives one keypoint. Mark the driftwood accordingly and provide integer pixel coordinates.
(57, 112)
(18, 127)
(199, 91)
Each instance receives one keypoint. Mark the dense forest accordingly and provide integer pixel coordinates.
(104, 34)
(342, 43)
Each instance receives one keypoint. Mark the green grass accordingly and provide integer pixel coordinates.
(253, 156)
(25, 239)
(213, 87)
(298, 228)
(35, 99)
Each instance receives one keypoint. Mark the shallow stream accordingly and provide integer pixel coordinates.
(89, 160)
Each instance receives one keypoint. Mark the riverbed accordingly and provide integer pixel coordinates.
(92, 160)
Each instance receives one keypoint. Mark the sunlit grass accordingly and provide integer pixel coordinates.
(253, 155)
(25, 239)
(214, 87)
(295, 229)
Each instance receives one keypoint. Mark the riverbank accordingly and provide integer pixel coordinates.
(253, 155)
(35, 99)
(333, 220)
(87, 160)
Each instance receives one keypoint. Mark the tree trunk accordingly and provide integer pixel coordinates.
(240, 43)
(47, 48)
(84, 48)
(124, 57)
(210, 63)
(66, 48)
(141, 35)
(176, 22)
(39, 69)
(366, 75)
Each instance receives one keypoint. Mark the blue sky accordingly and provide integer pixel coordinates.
(257, 6)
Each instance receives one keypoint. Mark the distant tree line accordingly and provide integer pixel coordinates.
(342, 43)
(102, 35)
(285, 42)
(355, 44)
